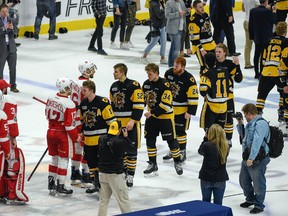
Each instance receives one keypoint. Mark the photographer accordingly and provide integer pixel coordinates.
(255, 159)
(112, 149)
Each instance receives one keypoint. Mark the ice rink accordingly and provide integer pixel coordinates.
(41, 62)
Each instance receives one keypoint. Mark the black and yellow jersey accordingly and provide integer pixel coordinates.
(214, 87)
(235, 74)
(275, 57)
(185, 92)
(200, 32)
(127, 100)
(282, 4)
(158, 97)
(96, 117)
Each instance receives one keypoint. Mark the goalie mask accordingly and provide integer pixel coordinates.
(63, 84)
(87, 69)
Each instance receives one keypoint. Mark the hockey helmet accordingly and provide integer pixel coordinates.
(87, 68)
(63, 84)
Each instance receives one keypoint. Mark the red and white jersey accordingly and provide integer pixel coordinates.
(76, 92)
(61, 112)
(77, 96)
(4, 139)
(9, 106)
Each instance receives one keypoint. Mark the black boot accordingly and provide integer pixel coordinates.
(62, 189)
(96, 184)
(85, 179)
(51, 183)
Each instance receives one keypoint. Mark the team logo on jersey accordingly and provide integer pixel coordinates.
(174, 89)
(89, 118)
(150, 98)
(119, 100)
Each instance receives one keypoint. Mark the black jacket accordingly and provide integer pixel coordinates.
(157, 14)
(212, 170)
(261, 22)
(112, 150)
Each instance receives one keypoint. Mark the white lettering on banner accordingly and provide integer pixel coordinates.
(83, 5)
(171, 212)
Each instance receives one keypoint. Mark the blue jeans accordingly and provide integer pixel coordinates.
(255, 174)
(174, 48)
(218, 189)
(42, 8)
(154, 41)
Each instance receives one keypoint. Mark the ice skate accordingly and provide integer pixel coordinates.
(178, 168)
(168, 158)
(96, 186)
(182, 156)
(75, 177)
(129, 181)
(281, 119)
(61, 189)
(86, 180)
(14, 202)
(51, 186)
(152, 169)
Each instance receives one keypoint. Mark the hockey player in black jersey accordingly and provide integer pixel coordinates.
(214, 87)
(159, 118)
(275, 68)
(185, 101)
(233, 66)
(201, 33)
(127, 100)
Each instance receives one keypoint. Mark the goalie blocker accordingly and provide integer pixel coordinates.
(12, 176)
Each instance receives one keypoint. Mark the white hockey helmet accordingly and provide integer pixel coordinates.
(63, 84)
(87, 68)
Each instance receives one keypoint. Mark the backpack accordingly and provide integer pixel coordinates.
(276, 142)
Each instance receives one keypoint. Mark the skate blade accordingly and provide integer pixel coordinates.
(153, 174)
(56, 194)
(93, 195)
(168, 161)
(14, 202)
(75, 182)
(86, 185)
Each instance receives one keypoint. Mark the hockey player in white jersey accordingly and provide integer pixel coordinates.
(87, 70)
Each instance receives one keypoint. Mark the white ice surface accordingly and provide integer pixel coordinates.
(41, 62)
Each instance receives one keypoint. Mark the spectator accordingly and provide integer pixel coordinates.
(112, 149)
(224, 20)
(44, 6)
(247, 5)
(158, 22)
(8, 50)
(175, 13)
(120, 13)
(185, 39)
(130, 23)
(255, 159)
(99, 10)
(213, 173)
(260, 26)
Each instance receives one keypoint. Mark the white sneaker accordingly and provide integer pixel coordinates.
(144, 60)
(113, 46)
(130, 45)
(163, 61)
(124, 46)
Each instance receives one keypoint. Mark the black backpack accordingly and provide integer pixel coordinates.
(276, 142)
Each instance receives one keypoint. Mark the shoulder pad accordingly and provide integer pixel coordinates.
(135, 83)
(105, 100)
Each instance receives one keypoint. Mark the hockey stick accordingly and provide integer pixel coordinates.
(39, 100)
(37, 164)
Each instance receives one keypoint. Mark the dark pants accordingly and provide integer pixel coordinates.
(229, 32)
(259, 48)
(11, 58)
(281, 15)
(130, 21)
(42, 8)
(98, 33)
(117, 18)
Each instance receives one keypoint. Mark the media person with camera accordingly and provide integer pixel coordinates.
(255, 159)
(112, 148)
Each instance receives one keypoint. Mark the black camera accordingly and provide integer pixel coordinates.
(237, 115)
